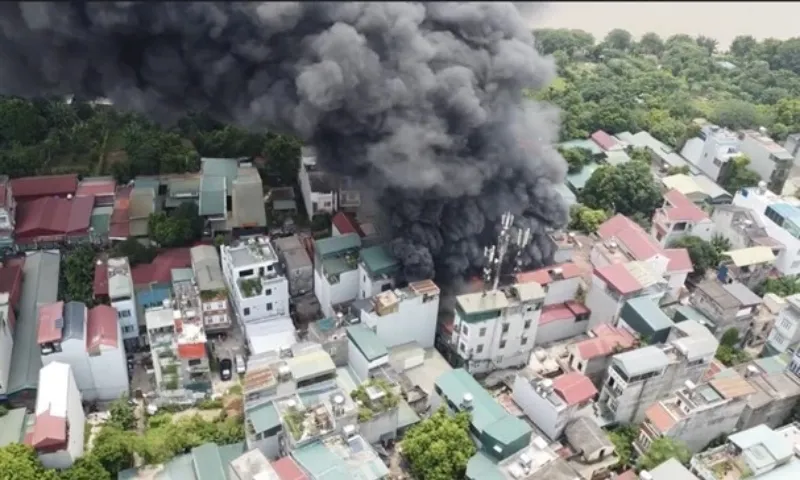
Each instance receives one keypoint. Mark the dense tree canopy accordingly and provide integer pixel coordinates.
(585, 219)
(177, 228)
(628, 189)
(77, 274)
(661, 450)
(702, 253)
(439, 447)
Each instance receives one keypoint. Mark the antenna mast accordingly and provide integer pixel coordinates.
(496, 254)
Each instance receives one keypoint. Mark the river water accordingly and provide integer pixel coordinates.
(722, 20)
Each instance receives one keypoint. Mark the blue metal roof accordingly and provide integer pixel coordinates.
(786, 211)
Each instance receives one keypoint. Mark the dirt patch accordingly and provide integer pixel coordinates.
(207, 415)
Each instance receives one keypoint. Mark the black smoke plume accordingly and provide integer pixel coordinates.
(421, 102)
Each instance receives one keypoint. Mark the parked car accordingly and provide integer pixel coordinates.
(225, 369)
(241, 366)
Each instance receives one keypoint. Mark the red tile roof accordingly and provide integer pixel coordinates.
(561, 311)
(49, 432)
(629, 235)
(11, 282)
(101, 327)
(627, 475)
(608, 338)
(714, 368)
(159, 271)
(619, 278)
(53, 216)
(288, 470)
(191, 351)
(27, 188)
(574, 388)
(345, 224)
(660, 417)
(96, 188)
(604, 140)
(544, 276)
(49, 325)
(120, 216)
(679, 260)
(681, 209)
(100, 283)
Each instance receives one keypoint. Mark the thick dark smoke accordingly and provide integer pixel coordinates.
(422, 103)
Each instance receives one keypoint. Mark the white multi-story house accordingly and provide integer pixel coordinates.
(404, 315)
(781, 219)
(638, 378)
(771, 161)
(6, 340)
(257, 287)
(592, 356)
(377, 269)
(696, 414)
(623, 240)
(613, 285)
(679, 217)
(8, 209)
(561, 283)
(743, 228)
(58, 430)
(89, 341)
(785, 333)
(213, 294)
(777, 393)
(319, 192)
(552, 403)
(496, 329)
(336, 271)
(122, 296)
(711, 150)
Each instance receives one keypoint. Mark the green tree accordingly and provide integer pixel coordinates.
(134, 250)
(439, 447)
(650, 44)
(623, 437)
(701, 252)
(736, 175)
(628, 189)
(618, 39)
(19, 462)
(661, 450)
(782, 286)
(114, 448)
(682, 170)
(121, 415)
(576, 158)
(743, 46)
(77, 274)
(571, 42)
(85, 468)
(707, 43)
(585, 219)
(282, 155)
(178, 228)
(721, 244)
(737, 114)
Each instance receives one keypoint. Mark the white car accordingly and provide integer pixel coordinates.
(241, 366)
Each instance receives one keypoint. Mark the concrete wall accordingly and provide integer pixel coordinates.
(414, 321)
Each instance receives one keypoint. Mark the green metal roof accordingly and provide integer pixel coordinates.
(577, 181)
(181, 275)
(141, 183)
(482, 467)
(367, 342)
(226, 168)
(324, 464)
(264, 417)
(212, 196)
(378, 260)
(311, 364)
(648, 312)
(189, 185)
(774, 364)
(12, 426)
(406, 415)
(586, 144)
(211, 460)
(99, 223)
(488, 416)
(334, 245)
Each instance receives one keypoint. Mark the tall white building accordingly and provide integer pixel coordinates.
(711, 150)
(257, 287)
(89, 341)
(123, 298)
(213, 294)
(496, 329)
(404, 315)
(376, 271)
(318, 189)
(781, 219)
(6, 340)
(785, 333)
(336, 271)
(58, 432)
(771, 161)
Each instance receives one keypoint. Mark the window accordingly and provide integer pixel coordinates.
(464, 330)
(245, 273)
(482, 332)
(269, 307)
(462, 347)
(268, 292)
(127, 329)
(786, 323)
(269, 268)
(502, 344)
(523, 340)
(796, 264)
(124, 313)
(479, 349)
(580, 366)
(260, 271)
(505, 328)
(679, 227)
(195, 362)
(527, 324)
(717, 162)
(246, 312)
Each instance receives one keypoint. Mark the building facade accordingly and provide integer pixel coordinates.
(211, 283)
(404, 315)
(123, 298)
(58, 432)
(336, 271)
